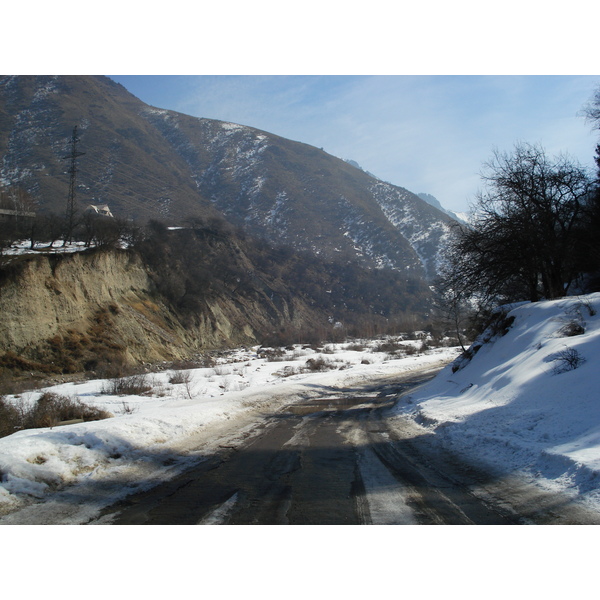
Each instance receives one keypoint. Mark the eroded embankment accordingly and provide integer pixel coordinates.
(82, 311)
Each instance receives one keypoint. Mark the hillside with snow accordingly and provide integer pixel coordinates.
(149, 163)
(526, 402)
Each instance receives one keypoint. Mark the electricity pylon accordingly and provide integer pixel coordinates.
(71, 206)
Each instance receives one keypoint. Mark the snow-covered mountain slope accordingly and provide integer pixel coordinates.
(146, 162)
(294, 193)
(461, 217)
(427, 236)
(526, 401)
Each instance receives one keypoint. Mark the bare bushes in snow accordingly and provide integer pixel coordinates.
(48, 411)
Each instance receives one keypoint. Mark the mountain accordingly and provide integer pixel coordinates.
(146, 162)
(433, 201)
(356, 165)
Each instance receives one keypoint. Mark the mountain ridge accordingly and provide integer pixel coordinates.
(147, 162)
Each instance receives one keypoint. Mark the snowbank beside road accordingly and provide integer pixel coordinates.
(528, 399)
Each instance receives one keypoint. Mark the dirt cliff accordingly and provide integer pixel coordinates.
(88, 310)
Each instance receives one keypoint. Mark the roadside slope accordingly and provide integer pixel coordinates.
(526, 402)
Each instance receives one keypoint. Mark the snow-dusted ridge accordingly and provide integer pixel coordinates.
(429, 239)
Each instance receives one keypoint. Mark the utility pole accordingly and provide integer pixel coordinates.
(71, 206)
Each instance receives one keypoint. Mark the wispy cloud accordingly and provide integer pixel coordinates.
(425, 133)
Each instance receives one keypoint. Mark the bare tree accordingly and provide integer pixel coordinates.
(524, 241)
(592, 110)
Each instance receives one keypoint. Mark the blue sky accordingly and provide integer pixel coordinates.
(427, 133)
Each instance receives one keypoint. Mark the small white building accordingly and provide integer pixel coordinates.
(100, 209)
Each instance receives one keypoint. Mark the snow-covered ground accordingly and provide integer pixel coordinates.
(68, 474)
(528, 402)
(58, 247)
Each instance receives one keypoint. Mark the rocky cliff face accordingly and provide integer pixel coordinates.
(85, 311)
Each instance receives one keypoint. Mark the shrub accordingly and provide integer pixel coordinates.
(222, 370)
(10, 418)
(356, 347)
(571, 329)
(388, 346)
(177, 377)
(589, 306)
(135, 385)
(184, 378)
(50, 410)
(568, 359)
(318, 364)
(272, 354)
(129, 409)
(288, 371)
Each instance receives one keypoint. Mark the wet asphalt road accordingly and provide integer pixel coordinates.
(328, 461)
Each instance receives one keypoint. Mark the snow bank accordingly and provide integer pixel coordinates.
(527, 401)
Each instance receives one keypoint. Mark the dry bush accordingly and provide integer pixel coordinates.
(177, 377)
(388, 346)
(288, 371)
(222, 370)
(186, 379)
(10, 418)
(585, 302)
(49, 410)
(568, 359)
(129, 409)
(318, 365)
(272, 354)
(356, 347)
(134, 385)
(571, 329)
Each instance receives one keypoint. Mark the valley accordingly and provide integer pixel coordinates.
(227, 326)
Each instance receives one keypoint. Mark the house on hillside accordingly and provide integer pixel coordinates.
(100, 209)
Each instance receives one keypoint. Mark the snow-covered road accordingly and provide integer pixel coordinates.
(324, 461)
(69, 474)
